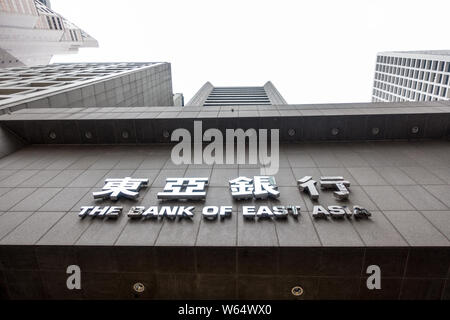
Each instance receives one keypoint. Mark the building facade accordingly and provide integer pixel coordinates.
(46, 2)
(127, 84)
(97, 189)
(208, 95)
(31, 33)
(178, 99)
(412, 76)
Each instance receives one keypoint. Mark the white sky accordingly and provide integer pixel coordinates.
(313, 51)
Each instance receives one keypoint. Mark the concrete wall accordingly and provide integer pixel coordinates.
(151, 86)
(8, 143)
(274, 95)
(405, 185)
(178, 100)
(201, 95)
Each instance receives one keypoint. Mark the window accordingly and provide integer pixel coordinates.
(49, 22)
(434, 65)
(436, 90)
(433, 77)
(54, 23)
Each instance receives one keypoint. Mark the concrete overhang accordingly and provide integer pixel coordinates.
(297, 123)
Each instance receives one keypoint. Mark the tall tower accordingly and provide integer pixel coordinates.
(208, 95)
(46, 2)
(120, 85)
(412, 76)
(31, 33)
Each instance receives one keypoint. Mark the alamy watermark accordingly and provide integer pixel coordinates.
(231, 150)
(74, 279)
(373, 282)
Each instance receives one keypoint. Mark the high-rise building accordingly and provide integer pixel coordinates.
(31, 33)
(178, 99)
(90, 178)
(208, 95)
(46, 2)
(412, 76)
(68, 85)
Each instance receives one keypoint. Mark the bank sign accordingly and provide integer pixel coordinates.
(241, 188)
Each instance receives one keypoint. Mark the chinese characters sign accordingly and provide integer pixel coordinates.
(241, 188)
(260, 187)
(127, 187)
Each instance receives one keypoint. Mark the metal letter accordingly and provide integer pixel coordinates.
(184, 212)
(170, 212)
(264, 212)
(320, 212)
(127, 187)
(308, 185)
(184, 188)
(360, 212)
(151, 212)
(280, 212)
(261, 187)
(336, 211)
(225, 211)
(241, 188)
(348, 212)
(294, 210)
(334, 183)
(114, 212)
(84, 211)
(98, 211)
(135, 212)
(248, 212)
(264, 187)
(210, 212)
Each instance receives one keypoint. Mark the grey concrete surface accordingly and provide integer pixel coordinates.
(60, 179)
